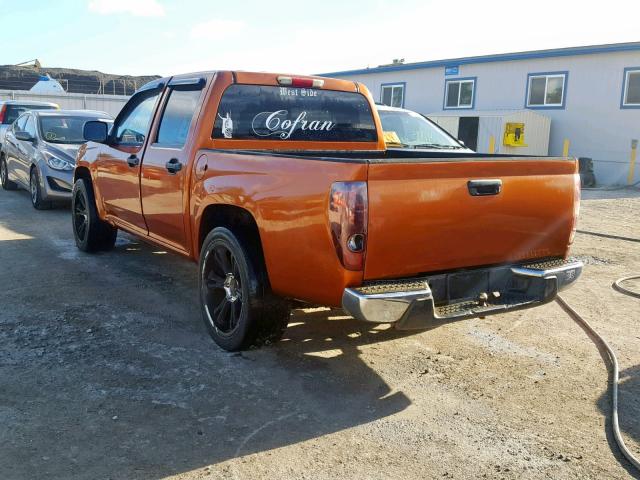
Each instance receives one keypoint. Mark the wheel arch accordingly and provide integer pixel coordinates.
(34, 166)
(81, 172)
(240, 222)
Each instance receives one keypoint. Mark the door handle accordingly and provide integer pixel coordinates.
(480, 188)
(133, 160)
(173, 166)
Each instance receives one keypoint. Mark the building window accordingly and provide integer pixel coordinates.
(392, 94)
(459, 93)
(631, 88)
(546, 90)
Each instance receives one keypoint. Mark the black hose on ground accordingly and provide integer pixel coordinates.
(611, 361)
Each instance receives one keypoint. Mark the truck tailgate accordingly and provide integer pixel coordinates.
(424, 218)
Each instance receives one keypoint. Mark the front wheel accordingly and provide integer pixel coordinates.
(238, 307)
(91, 233)
(36, 192)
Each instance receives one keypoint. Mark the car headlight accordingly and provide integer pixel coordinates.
(57, 163)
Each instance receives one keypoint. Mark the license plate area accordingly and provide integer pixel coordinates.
(468, 285)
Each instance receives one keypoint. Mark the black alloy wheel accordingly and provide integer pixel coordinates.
(238, 307)
(90, 232)
(80, 217)
(223, 293)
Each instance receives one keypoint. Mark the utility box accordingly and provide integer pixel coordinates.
(518, 132)
(514, 135)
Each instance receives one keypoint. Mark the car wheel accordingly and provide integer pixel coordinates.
(4, 176)
(91, 233)
(36, 191)
(238, 307)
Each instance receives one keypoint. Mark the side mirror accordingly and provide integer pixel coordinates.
(24, 136)
(95, 131)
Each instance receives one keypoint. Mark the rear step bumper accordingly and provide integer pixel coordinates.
(423, 302)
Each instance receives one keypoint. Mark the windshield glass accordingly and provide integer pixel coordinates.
(61, 129)
(410, 129)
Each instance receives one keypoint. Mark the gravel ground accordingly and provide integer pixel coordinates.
(107, 372)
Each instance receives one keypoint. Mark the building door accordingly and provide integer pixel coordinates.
(468, 131)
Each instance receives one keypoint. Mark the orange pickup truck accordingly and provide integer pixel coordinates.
(282, 189)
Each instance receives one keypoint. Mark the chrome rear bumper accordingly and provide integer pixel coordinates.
(422, 302)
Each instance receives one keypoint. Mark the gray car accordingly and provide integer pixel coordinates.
(39, 153)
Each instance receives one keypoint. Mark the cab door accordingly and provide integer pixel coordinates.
(164, 177)
(120, 159)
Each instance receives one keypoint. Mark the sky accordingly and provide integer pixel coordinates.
(164, 37)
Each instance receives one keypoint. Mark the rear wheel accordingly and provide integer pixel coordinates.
(36, 192)
(238, 308)
(91, 233)
(4, 176)
(588, 180)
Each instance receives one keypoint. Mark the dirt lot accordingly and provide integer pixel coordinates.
(106, 371)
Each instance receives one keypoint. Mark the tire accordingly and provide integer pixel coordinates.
(36, 192)
(588, 180)
(4, 176)
(91, 233)
(238, 307)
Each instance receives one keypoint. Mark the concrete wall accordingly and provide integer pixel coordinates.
(592, 119)
(72, 101)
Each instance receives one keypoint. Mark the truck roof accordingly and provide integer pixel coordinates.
(251, 78)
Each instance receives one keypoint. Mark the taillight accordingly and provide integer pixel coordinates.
(576, 206)
(348, 221)
(301, 82)
(3, 112)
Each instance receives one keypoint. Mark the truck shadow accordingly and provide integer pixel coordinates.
(107, 370)
(628, 413)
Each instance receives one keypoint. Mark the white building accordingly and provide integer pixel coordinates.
(591, 95)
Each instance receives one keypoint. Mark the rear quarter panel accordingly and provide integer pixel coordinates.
(288, 198)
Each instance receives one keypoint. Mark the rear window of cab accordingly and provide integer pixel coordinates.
(256, 112)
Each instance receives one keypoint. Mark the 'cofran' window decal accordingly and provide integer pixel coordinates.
(266, 124)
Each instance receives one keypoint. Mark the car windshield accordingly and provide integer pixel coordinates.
(63, 129)
(411, 130)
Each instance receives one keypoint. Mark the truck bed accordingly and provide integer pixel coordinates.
(424, 217)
